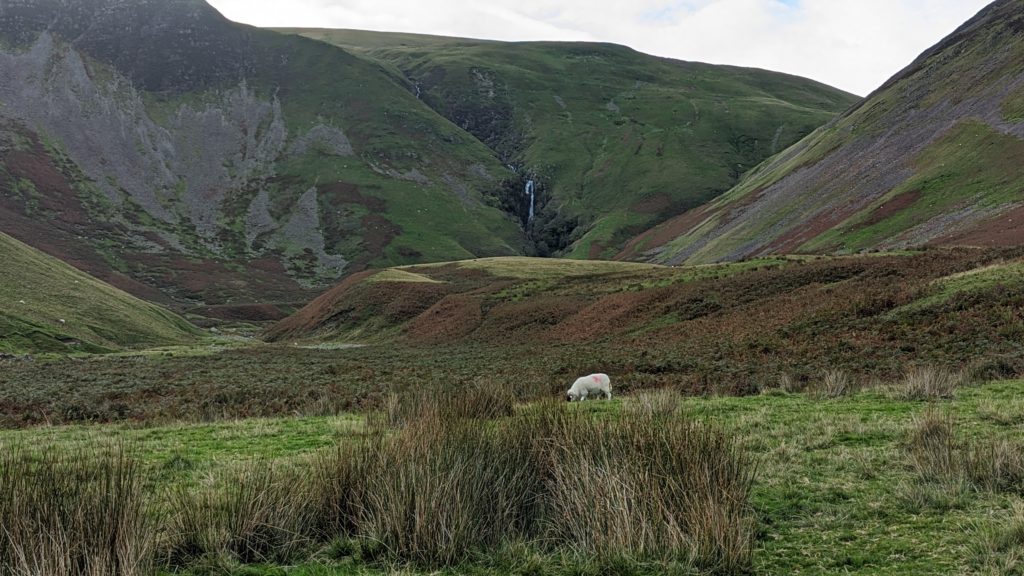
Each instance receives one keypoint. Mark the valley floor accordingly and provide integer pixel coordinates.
(836, 488)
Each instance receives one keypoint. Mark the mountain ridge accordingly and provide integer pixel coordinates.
(928, 158)
(274, 168)
(198, 162)
(617, 139)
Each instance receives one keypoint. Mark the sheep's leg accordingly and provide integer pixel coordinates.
(608, 394)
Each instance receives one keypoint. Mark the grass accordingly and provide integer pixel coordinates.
(646, 138)
(722, 329)
(833, 384)
(50, 306)
(399, 275)
(443, 491)
(977, 280)
(79, 513)
(928, 383)
(522, 268)
(832, 490)
(972, 163)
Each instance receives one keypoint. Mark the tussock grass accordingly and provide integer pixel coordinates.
(832, 384)
(997, 547)
(648, 488)
(257, 513)
(933, 450)
(663, 402)
(73, 514)
(790, 384)
(652, 488)
(995, 465)
(484, 399)
(939, 458)
(441, 490)
(928, 383)
(1003, 412)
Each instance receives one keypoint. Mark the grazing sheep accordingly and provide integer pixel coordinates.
(594, 384)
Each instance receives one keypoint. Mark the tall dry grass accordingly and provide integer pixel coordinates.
(651, 488)
(484, 399)
(661, 402)
(73, 514)
(832, 384)
(647, 487)
(928, 383)
(997, 547)
(253, 514)
(463, 479)
(939, 457)
(934, 452)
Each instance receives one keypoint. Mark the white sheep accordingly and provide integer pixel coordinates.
(594, 384)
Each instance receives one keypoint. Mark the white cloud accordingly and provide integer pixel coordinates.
(854, 45)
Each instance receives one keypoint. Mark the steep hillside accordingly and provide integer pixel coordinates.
(48, 306)
(181, 156)
(615, 141)
(934, 156)
(731, 325)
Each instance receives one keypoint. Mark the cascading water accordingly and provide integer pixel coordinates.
(531, 190)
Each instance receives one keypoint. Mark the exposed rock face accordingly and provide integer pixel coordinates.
(180, 151)
(324, 139)
(105, 129)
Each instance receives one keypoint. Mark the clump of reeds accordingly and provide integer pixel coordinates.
(927, 383)
(73, 514)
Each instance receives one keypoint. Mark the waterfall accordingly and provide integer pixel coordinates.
(531, 189)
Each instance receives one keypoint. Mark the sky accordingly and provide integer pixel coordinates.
(854, 45)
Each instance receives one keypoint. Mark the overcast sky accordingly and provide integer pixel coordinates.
(851, 44)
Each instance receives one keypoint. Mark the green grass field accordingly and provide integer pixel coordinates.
(835, 490)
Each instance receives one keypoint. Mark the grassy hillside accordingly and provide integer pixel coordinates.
(48, 306)
(932, 157)
(217, 163)
(617, 141)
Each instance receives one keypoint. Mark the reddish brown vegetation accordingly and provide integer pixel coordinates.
(454, 317)
(1007, 229)
(663, 233)
(653, 204)
(891, 207)
(726, 333)
(242, 312)
(56, 219)
(319, 312)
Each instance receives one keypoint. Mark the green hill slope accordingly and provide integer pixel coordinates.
(203, 161)
(616, 140)
(933, 157)
(48, 306)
